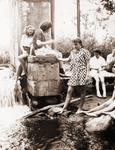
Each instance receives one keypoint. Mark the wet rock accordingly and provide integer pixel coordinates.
(58, 133)
(98, 124)
(54, 111)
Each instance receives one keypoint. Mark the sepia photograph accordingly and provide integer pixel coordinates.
(57, 74)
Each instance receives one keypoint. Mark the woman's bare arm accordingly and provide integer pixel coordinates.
(43, 43)
(64, 59)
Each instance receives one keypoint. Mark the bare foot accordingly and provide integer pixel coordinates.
(79, 111)
(65, 112)
(62, 111)
(91, 114)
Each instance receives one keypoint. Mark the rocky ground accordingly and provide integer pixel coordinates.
(48, 130)
(54, 132)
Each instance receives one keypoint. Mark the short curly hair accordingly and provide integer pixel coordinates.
(29, 27)
(45, 26)
(77, 40)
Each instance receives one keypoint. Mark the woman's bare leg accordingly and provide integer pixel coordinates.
(22, 59)
(82, 98)
(23, 63)
(68, 98)
(83, 93)
(19, 72)
(113, 95)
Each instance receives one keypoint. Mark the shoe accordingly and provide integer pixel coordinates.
(104, 95)
(99, 95)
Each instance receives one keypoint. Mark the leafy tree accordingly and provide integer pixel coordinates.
(109, 5)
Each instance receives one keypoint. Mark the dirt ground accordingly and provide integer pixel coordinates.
(94, 101)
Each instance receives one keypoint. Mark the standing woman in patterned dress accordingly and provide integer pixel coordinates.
(80, 72)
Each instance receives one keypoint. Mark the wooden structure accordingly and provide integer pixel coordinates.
(78, 18)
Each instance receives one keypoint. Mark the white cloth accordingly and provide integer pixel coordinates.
(46, 50)
(110, 58)
(26, 40)
(97, 63)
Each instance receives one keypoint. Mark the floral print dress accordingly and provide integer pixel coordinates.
(79, 68)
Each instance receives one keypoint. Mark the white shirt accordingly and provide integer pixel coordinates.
(110, 58)
(97, 63)
(26, 40)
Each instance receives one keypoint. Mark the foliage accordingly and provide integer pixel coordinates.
(64, 46)
(89, 42)
(4, 57)
(105, 48)
(109, 5)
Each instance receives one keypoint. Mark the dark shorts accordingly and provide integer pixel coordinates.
(27, 49)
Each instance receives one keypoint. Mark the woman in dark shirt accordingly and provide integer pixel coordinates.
(39, 38)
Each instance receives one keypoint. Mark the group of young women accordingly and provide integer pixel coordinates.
(34, 39)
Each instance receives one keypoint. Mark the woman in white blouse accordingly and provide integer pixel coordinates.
(26, 46)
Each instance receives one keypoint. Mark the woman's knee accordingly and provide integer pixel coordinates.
(23, 56)
(21, 60)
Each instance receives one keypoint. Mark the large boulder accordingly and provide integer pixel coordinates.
(43, 75)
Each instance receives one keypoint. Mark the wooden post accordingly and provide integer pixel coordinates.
(53, 20)
(78, 18)
(16, 21)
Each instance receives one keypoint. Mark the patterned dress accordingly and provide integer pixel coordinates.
(79, 68)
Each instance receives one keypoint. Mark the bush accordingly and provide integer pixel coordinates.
(4, 57)
(64, 46)
(105, 48)
(89, 42)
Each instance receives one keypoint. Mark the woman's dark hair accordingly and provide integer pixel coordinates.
(77, 40)
(45, 26)
(97, 51)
